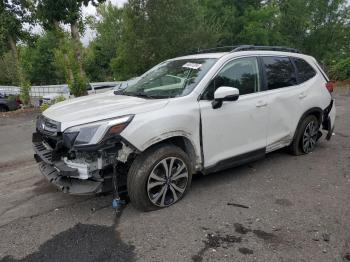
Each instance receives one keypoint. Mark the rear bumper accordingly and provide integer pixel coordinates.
(329, 119)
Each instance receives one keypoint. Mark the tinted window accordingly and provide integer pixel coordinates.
(241, 73)
(305, 71)
(279, 72)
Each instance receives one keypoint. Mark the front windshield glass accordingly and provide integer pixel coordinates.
(170, 79)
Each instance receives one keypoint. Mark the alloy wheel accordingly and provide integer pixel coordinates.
(310, 137)
(167, 182)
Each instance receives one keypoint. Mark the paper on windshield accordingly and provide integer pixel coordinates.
(192, 65)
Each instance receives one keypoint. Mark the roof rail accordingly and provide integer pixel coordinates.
(238, 48)
(215, 49)
(265, 48)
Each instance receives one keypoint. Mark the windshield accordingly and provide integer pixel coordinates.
(170, 79)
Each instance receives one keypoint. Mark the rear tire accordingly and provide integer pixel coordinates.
(159, 177)
(306, 136)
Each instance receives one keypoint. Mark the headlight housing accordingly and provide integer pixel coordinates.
(95, 132)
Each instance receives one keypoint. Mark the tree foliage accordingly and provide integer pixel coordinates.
(101, 51)
(133, 38)
(153, 31)
(14, 14)
(38, 60)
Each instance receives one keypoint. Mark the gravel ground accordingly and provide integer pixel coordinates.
(282, 208)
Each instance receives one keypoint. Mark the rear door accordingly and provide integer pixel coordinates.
(284, 96)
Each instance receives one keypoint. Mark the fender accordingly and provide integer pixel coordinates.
(176, 134)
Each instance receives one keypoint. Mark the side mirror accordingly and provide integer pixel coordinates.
(224, 93)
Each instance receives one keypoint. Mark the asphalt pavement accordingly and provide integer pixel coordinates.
(282, 208)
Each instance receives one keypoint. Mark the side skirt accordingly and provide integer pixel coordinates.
(236, 161)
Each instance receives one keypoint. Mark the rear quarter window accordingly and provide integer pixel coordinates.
(279, 72)
(305, 71)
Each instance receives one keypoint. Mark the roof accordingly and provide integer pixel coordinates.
(241, 53)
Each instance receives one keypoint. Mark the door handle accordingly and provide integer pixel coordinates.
(302, 95)
(261, 104)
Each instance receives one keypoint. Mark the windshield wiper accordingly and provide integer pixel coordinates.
(143, 94)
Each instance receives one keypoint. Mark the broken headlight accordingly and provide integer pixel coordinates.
(93, 133)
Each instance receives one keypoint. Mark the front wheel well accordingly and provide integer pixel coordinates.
(182, 142)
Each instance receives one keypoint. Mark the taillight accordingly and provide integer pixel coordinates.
(330, 86)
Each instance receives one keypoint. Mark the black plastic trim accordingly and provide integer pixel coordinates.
(70, 185)
(236, 161)
(308, 112)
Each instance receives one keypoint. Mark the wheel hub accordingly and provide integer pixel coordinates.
(167, 181)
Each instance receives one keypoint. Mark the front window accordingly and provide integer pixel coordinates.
(242, 73)
(170, 79)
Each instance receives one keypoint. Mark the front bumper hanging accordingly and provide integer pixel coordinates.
(61, 175)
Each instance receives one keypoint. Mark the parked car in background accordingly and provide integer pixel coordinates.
(200, 113)
(96, 88)
(91, 88)
(9, 102)
(9, 90)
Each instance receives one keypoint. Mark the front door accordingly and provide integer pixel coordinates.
(237, 127)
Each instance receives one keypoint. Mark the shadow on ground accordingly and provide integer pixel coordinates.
(83, 242)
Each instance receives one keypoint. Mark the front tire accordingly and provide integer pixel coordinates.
(159, 178)
(306, 137)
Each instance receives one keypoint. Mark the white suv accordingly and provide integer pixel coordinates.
(194, 114)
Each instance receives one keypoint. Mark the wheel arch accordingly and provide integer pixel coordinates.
(183, 142)
(315, 111)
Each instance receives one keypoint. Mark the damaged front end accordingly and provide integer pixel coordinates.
(75, 165)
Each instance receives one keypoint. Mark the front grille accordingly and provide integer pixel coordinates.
(48, 131)
(47, 126)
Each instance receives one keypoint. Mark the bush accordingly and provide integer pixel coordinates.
(45, 106)
(341, 70)
(24, 93)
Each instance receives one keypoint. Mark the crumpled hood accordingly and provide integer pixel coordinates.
(102, 106)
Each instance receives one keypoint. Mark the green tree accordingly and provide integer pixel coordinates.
(260, 26)
(318, 27)
(13, 15)
(51, 13)
(38, 60)
(156, 30)
(65, 59)
(8, 71)
(102, 50)
(223, 15)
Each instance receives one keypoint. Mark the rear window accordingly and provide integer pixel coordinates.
(305, 71)
(279, 72)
